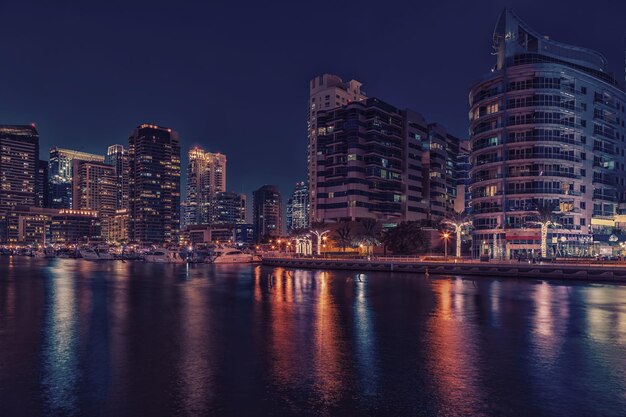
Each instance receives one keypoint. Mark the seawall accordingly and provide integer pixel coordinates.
(579, 272)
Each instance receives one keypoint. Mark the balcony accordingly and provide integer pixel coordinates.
(537, 155)
(544, 174)
(555, 191)
(559, 139)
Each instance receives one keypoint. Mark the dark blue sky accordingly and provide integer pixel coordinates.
(233, 77)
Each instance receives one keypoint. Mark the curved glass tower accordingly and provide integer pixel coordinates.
(547, 128)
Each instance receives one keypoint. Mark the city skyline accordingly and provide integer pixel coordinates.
(57, 102)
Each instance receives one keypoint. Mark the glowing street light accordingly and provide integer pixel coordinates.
(446, 236)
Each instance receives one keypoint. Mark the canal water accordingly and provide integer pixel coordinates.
(135, 339)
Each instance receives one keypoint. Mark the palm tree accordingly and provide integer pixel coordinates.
(458, 220)
(546, 217)
(343, 233)
(369, 236)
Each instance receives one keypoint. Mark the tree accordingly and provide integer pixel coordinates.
(407, 238)
(343, 233)
(546, 217)
(319, 229)
(369, 235)
(458, 220)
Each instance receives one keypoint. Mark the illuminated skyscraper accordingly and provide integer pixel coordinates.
(206, 176)
(154, 185)
(60, 174)
(95, 189)
(266, 213)
(19, 158)
(229, 208)
(298, 208)
(117, 156)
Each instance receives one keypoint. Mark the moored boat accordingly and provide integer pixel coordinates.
(163, 256)
(230, 256)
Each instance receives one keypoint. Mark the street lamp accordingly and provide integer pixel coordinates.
(446, 236)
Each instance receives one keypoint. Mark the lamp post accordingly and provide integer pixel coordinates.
(446, 236)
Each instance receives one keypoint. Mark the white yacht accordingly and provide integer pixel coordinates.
(164, 256)
(230, 256)
(96, 254)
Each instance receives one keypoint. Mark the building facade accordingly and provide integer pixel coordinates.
(117, 157)
(229, 208)
(547, 128)
(206, 176)
(369, 163)
(298, 208)
(154, 185)
(42, 184)
(36, 225)
(266, 213)
(60, 174)
(326, 92)
(19, 159)
(94, 187)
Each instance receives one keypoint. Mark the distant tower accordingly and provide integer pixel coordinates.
(117, 156)
(60, 174)
(154, 185)
(298, 208)
(266, 213)
(19, 157)
(206, 176)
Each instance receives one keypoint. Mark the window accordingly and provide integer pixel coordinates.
(583, 90)
(583, 156)
(583, 172)
(583, 189)
(583, 205)
(582, 222)
(583, 123)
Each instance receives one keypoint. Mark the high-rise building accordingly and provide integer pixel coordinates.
(117, 156)
(326, 92)
(440, 171)
(298, 208)
(95, 189)
(229, 208)
(369, 163)
(266, 213)
(19, 159)
(463, 167)
(42, 184)
(60, 174)
(547, 129)
(154, 185)
(206, 176)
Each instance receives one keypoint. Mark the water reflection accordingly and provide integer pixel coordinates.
(196, 373)
(328, 370)
(60, 344)
(453, 348)
(365, 338)
(139, 339)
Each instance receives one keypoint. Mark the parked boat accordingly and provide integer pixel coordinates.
(230, 256)
(96, 254)
(164, 256)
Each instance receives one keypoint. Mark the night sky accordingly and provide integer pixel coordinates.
(233, 77)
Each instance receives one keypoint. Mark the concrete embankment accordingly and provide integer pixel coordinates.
(579, 272)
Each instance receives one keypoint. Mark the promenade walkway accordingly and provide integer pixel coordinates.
(592, 271)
